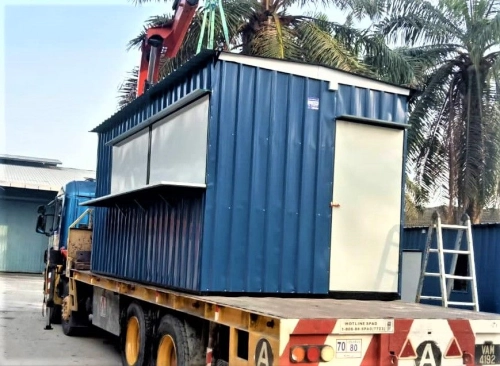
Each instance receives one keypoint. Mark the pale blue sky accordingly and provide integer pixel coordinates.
(61, 65)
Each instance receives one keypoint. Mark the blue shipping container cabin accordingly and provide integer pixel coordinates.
(486, 241)
(239, 174)
(75, 192)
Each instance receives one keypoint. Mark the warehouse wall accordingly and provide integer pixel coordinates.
(21, 248)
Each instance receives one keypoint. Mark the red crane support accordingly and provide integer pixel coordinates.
(164, 41)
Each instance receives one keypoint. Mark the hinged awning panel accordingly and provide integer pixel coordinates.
(160, 191)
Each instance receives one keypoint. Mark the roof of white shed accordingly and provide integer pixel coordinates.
(31, 173)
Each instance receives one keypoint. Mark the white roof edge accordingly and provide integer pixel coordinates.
(334, 77)
(36, 187)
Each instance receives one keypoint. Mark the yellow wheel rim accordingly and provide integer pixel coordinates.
(167, 355)
(132, 341)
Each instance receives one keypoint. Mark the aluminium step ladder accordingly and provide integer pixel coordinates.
(446, 279)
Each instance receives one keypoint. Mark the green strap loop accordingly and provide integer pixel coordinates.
(209, 11)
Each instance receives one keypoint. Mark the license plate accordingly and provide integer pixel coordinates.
(487, 354)
(348, 348)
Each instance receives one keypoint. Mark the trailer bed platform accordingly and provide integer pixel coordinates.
(294, 308)
(360, 333)
(305, 308)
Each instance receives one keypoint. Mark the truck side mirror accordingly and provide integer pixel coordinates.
(40, 224)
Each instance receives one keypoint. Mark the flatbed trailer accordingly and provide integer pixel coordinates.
(264, 331)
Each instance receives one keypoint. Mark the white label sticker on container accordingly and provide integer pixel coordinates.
(364, 326)
(313, 103)
(348, 348)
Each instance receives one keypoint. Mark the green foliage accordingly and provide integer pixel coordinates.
(454, 139)
(265, 28)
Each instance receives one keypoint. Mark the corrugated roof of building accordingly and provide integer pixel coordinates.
(48, 178)
(29, 159)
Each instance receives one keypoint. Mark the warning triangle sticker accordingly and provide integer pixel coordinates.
(453, 349)
(407, 351)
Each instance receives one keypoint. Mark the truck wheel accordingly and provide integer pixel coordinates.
(177, 344)
(67, 321)
(171, 348)
(74, 323)
(55, 314)
(135, 337)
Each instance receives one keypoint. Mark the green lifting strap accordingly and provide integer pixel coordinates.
(209, 11)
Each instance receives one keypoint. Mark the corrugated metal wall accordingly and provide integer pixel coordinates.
(368, 103)
(177, 267)
(21, 248)
(486, 239)
(269, 183)
(159, 245)
(270, 177)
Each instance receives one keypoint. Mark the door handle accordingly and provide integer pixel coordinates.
(334, 205)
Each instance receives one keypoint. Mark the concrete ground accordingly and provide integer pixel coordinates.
(23, 340)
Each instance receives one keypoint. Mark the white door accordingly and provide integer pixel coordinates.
(366, 208)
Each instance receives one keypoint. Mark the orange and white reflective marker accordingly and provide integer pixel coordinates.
(453, 349)
(327, 353)
(313, 354)
(408, 351)
(298, 354)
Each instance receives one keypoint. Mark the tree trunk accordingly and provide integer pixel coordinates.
(471, 185)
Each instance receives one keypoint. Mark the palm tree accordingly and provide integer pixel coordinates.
(455, 118)
(266, 28)
(414, 201)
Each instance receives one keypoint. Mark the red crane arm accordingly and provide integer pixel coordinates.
(164, 41)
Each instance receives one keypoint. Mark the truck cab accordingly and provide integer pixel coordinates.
(54, 220)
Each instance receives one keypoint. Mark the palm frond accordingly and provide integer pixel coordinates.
(269, 42)
(417, 21)
(485, 34)
(398, 66)
(415, 200)
(424, 106)
(321, 47)
(357, 8)
(149, 1)
(128, 88)
(154, 21)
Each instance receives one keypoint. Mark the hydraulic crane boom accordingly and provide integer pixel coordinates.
(164, 41)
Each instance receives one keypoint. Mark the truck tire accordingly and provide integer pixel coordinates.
(176, 343)
(75, 325)
(135, 335)
(68, 328)
(55, 314)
